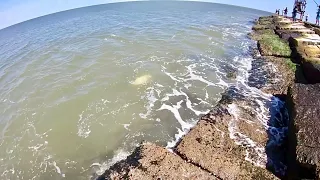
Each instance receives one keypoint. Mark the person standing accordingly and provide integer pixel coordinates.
(307, 16)
(318, 16)
(285, 12)
(304, 5)
(294, 13)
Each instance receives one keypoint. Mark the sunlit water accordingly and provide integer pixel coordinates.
(80, 89)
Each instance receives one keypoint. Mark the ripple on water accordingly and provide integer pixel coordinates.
(71, 99)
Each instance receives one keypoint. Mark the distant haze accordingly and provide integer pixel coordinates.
(16, 11)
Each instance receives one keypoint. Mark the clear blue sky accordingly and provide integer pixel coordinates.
(15, 11)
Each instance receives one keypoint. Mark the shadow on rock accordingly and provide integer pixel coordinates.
(277, 145)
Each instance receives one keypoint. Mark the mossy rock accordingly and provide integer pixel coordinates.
(272, 45)
(266, 18)
(292, 66)
(259, 27)
(257, 35)
(265, 21)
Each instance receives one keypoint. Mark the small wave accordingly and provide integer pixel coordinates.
(151, 99)
(255, 153)
(99, 168)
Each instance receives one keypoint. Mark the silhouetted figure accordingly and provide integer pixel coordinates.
(304, 5)
(301, 15)
(294, 13)
(285, 12)
(318, 16)
(307, 16)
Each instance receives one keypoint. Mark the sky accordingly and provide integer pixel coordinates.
(16, 11)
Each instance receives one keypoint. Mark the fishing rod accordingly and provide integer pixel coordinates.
(315, 2)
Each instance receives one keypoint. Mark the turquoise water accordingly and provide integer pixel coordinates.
(80, 89)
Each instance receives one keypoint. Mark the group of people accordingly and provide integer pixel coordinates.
(299, 8)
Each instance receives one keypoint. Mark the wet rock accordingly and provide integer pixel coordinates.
(282, 76)
(304, 131)
(232, 75)
(150, 161)
(273, 75)
(209, 145)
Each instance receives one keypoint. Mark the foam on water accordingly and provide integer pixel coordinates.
(151, 99)
(96, 94)
(255, 153)
(175, 111)
(101, 167)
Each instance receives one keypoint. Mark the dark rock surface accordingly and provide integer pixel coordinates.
(150, 161)
(287, 34)
(304, 130)
(311, 71)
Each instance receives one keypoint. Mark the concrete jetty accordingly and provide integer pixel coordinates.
(208, 152)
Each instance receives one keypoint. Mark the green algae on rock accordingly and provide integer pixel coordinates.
(272, 45)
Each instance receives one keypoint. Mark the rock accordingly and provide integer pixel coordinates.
(308, 57)
(150, 161)
(283, 78)
(304, 131)
(259, 27)
(273, 75)
(232, 75)
(314, 27)
(272, 45)
(311, 71)
(287, 34)
(208, 145)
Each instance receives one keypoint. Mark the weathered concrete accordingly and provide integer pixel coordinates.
(304, 131)
(308, 57)
(210, 146)
(150, 161)
(306, 46)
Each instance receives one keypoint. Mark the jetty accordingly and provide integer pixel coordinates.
(303, 95)
(211, 151)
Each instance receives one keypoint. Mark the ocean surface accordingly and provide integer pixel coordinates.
(80, 89)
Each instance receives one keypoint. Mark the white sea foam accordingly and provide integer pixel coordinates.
(255, 153)
(83, 126)
(194, 76)
(126, 126)
(189, 105)
(175, 111)
(151, 99)
(101, 167)
(58, 170)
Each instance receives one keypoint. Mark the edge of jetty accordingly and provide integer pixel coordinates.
(208, 152)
